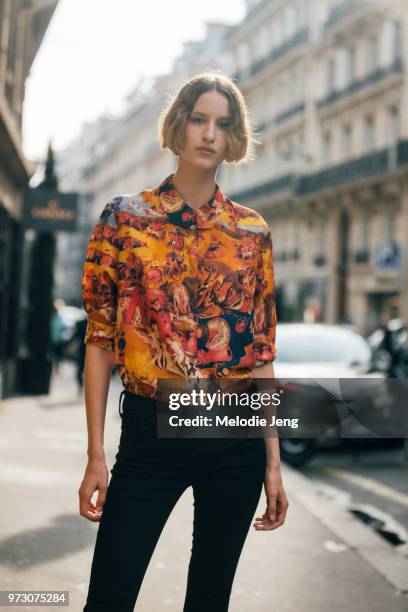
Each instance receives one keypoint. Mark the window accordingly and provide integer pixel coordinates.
(372, 55)
(327, 149)
(321, 237)
(393, 126)
(396, 41)
(278, 156)
(301, 146)
(282, 95)
(302, 84)
(350, 65)
(276, 34)
(289, 148)
(282, 26)
(369, 135)
(244, 56)
(365, 228)
(293, 87)
(263, 41)
(390, 223)
(289, 22)
(331, 74)
(347, 141)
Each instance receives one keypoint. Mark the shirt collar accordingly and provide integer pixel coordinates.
(181, 213)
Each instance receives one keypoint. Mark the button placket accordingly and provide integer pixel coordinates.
(193, 252)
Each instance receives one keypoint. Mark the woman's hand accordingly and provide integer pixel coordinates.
(95, 479)
(277, 503)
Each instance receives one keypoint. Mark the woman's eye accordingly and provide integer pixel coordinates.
(223, 125)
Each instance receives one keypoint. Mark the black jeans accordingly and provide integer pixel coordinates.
(149, 476)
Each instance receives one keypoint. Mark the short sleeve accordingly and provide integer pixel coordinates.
(264, 303)
(99, 281)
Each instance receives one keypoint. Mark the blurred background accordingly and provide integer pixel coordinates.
(326, 83)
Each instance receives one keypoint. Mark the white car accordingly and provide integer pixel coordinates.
(323, 355)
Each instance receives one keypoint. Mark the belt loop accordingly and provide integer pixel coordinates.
(121, 396)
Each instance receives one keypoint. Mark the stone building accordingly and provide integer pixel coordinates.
(23, 24)
(326, 84)
(70, 166)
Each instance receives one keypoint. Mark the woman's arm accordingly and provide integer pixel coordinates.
(271, 443)
(99, 291)
(98, 370)
(277, 503)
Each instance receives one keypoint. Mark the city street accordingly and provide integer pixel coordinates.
(371, 480)
(237, 202)
(322, 558)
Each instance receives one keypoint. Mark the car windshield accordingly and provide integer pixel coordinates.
(308, 345)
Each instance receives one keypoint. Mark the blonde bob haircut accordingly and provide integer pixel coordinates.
(173, 118)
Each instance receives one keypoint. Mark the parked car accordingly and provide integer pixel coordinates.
(323, 354)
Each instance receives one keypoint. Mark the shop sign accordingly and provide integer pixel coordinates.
(46, 210)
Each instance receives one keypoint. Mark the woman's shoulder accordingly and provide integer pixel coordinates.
(139, 204)
(248, 217)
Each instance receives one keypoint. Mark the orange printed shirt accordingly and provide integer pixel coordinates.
(180, 292)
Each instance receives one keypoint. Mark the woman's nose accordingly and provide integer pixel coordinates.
(210, 131)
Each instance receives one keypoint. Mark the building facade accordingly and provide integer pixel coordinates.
(326, 83)
(70, 165)
(22, 27)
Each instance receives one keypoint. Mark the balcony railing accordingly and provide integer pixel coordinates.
(281, 117)
(379, 162)
(290, 112)
(368, 165)
(301, 37)
(379, 75)
(342, 10)
(282, 183)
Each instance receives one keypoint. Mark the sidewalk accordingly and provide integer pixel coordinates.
(321, 559)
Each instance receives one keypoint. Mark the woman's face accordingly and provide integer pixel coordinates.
(206, 127)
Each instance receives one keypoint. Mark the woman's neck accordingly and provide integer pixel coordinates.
(195, 185)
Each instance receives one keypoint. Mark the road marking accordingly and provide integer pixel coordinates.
(369, 484)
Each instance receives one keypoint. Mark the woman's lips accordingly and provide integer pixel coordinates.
(206, 151)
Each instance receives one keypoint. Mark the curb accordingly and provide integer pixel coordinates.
(356, 535)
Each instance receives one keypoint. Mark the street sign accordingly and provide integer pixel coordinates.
(387, 256)
(47, 210)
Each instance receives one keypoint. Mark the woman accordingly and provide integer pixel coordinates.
(178, 284)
